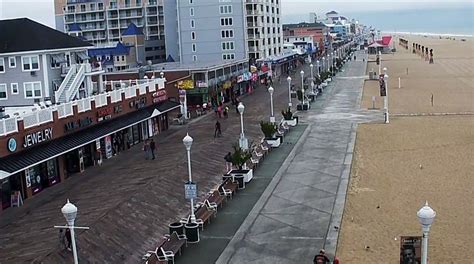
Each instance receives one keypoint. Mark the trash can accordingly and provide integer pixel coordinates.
(240, 180)
(192, 232)
(176, 227)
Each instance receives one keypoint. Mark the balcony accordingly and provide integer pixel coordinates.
(152, 22)
(131, 15)
(253, 48)
(254, 12)
(254, 36)
(254, 24)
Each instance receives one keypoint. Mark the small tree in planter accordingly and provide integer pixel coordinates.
(238, 158)
(288, 117)
(269, 131)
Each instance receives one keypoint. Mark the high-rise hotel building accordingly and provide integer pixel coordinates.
(102, 22)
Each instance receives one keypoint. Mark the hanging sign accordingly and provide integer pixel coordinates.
(186, 84)
(190, 190)
(159, 96)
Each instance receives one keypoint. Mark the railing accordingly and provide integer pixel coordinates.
(62, 87)
(75, 83)
(34, 119)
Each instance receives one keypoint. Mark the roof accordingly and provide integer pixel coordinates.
(332, 13)
(132, 30)
(386, 40)
(24, 159)
(375, 45)
(23, 34)
(74, 27)
(304, 25)
(119, 49)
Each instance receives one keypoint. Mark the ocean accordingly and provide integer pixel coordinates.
(454, 21)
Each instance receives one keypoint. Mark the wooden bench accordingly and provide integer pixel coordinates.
(216, 197)
(174, 243)
(154, 257)
(228, 188)
(204, 214)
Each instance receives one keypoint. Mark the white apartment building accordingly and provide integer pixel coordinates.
(264, 28)
(102, 22)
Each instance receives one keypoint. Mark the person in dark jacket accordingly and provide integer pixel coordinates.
(152, 148)
(217, 131)
(321, 258)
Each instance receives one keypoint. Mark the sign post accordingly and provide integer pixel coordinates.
(190, 190)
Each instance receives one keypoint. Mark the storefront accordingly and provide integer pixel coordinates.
(9, 186)
(42, 176)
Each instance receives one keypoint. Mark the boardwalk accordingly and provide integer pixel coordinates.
(129, 201)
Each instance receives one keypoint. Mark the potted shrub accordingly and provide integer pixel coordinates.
(288, 117)
(269, 131)
(300, 106)
(241, 174)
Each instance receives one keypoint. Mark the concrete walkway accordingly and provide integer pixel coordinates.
(301, 210)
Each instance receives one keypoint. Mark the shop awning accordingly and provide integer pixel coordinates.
(15, 163)
(83, 55)
(59, 58)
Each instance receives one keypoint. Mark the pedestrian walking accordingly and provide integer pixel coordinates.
(228, 162)
(146, 149)
(226, 111)
(219, 110)
(68, 239)
(321, 258)
(152, 148)
(217, 131)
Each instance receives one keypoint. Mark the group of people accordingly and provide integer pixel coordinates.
(423, 52)
(149, 148)
(322, 258)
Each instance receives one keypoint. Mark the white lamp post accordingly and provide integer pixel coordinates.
(70, 212)
(188, 142)
(311, 67)
(380, 62)
(317, 65)
(242, 141)
(324, 63)
(302, 89)
(327, 61)
(385, 101)
(289, 90)
(426, 216)
(272, 117)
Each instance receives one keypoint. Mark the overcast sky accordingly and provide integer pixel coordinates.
(43, 10)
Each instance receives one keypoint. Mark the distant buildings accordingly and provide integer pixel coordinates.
(317, 31)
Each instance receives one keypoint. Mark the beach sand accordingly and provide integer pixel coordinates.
(386, 171)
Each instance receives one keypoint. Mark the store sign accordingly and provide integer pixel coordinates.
(159, 96)
(11, 145)
(201, 84)
(38, 137)
(240, 78)
(117, 109)
(70, 126)
(104, 114)
(138, 103)
(186, 84)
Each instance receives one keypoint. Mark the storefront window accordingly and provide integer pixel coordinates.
(52, 172)
(34, 175)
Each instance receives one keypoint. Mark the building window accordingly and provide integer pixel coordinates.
(227, 33)
(54, 63)
(11, 62)
(193, 47)
(195, 58)
(193, 35)
(225, 9)
(228, 56)
(30, 63)
(192, 23)
(3, 91)
(226, 21)
(229, 45)
(123, 58)
(190, 1)
(14, 88)
(191, 11)
(2, 65)
(32, 90)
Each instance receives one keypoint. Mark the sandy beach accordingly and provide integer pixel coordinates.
(417, 157)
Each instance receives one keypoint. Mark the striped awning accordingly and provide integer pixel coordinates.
(83, 55)
(59, 58)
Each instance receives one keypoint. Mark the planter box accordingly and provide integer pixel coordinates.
(274, 142)
(328, 80)
(248, 174)
(293, 122)
(324, 84)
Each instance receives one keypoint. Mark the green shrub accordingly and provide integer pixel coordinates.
(268, 129)
(287, 115)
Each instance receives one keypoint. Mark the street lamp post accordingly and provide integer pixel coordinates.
(426, 216)
(317, 65)
(327, 61)
(311, 67)
(380, 62)
(70, 212)
(324, 63)
(385, 101)
(289, 90)
(188, 142)
(302, 89)
(242, 141)
(272, 117)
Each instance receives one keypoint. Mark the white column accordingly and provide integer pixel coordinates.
(385, 101)
(45, 75)
(424, 242)
(193, 218)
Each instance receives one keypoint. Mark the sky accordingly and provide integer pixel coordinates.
(292, 10)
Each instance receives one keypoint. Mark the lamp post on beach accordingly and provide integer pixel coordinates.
(426, 216)
(272, 117)
(385, 101)
(302, 89)
(380, 62)
(289, 90)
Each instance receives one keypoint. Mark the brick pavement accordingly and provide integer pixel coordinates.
(129, 201)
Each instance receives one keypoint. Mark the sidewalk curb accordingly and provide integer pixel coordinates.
(232, 247)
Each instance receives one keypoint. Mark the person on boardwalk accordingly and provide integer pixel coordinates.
(217, 131)
(152, 148)
(146, 149)
(219, 110)
(321, 258)
(68, 238)
(226, 111)
(228, 161)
